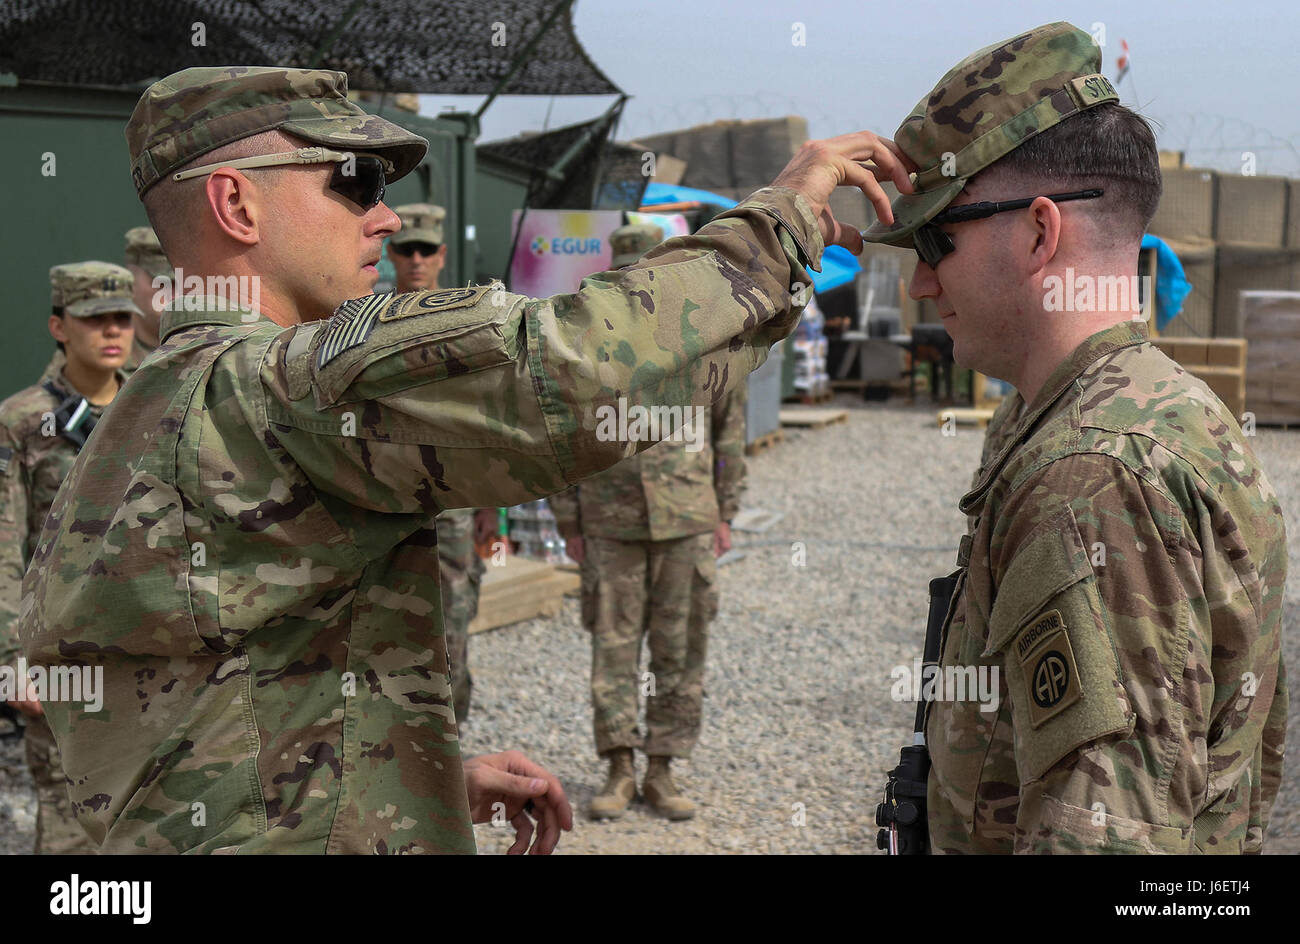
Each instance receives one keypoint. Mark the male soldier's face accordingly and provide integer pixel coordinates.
(100, 342)
(419, 270)
(146, 297)
(976, 291)
(319, 248)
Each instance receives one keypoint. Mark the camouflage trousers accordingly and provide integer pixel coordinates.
(667, 592)
(57, 829)
(460, 571)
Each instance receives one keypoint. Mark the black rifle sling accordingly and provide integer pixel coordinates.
(73, 416)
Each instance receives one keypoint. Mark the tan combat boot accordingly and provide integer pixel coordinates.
(620, 788)
(662, 794)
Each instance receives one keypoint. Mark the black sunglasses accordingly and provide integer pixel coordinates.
(411, 248)
(365, 187)
(932, 243)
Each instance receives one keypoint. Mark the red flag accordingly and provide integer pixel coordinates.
(1122, 62)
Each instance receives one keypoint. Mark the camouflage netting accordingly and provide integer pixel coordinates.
(442, 46)
(602, 176)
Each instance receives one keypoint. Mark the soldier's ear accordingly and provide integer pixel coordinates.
(57, 329)
(235, 204)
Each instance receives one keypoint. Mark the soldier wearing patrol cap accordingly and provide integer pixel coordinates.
(1122, 579)
(418, 254)
(147, 262)
(247, 546)
(42, 428)
(646, 533)
(417, 250)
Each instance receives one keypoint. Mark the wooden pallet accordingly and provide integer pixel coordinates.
(767, 440)
(965, 416)
(520, 589)
(812, 399)
(813, 419)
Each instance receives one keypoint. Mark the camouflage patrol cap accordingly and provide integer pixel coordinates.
(83, 289)
(985, 107)
(195, 111)
(144, 250)
(421, 222)
(633, 241)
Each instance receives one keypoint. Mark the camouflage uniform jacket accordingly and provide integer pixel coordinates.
(34, 461)
(247, 542)
(667, 491)
(1125, 574)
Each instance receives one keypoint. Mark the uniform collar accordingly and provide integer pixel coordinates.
(205, 310)
(1102, 344)
(61, 383)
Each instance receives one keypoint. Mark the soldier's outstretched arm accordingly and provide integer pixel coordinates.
(468, 397)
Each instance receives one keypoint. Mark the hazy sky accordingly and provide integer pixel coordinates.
(1218, 76)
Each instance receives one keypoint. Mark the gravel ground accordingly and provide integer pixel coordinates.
(798, 723)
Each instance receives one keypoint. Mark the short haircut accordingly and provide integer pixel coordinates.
(57, 311)
(1107, 146)
(172, 206)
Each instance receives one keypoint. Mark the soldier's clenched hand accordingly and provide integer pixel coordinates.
(859, 160)
(512, 779)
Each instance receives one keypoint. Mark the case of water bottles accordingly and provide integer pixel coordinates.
(534, 533)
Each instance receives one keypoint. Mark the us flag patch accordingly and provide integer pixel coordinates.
(350, 326)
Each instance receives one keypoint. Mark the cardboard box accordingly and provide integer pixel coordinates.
(1185, 352)
(1271, 327)
(1251, 210)
(1226, 352)
(1248, 268)
(1187, 205)
(1196, 319)
(669, 170)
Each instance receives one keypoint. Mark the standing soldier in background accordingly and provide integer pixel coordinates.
(146, 261)
(42, 428)
(418, 254)
(647, 532)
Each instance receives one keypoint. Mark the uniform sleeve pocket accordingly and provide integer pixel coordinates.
(1062, 675)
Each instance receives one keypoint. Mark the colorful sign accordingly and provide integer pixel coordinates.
(557, 249)
(673, 224)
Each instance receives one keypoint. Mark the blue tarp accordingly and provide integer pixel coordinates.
(839, 266)
(1171, 282)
